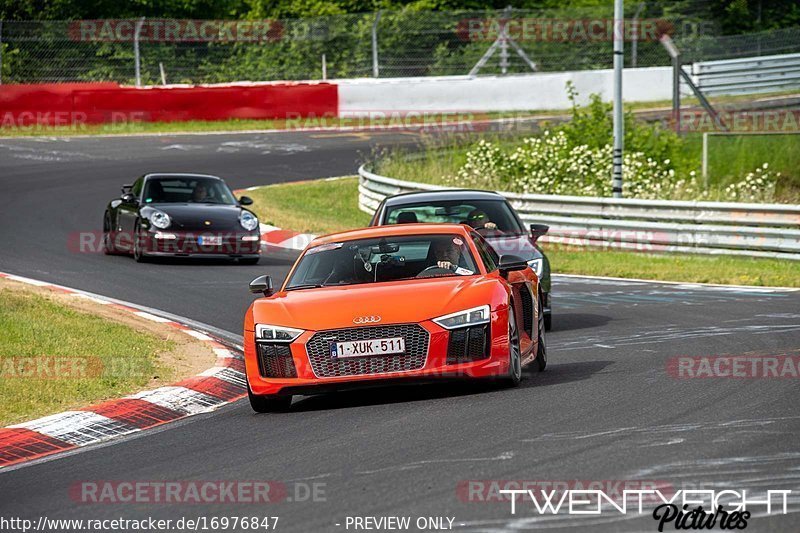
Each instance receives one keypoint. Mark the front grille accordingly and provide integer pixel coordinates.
(325, 366)
(468, 344)
(275, 360)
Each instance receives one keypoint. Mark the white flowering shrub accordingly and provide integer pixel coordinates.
(551, 164)
(757, 186)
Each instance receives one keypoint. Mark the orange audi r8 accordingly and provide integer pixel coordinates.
(388, 304)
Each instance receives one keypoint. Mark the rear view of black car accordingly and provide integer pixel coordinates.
(488, 213)
(181, 215)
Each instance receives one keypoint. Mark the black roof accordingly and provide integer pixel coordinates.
(442, 196)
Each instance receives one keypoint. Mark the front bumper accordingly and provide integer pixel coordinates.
(434, 368)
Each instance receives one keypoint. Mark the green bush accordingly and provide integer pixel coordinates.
(575, 158)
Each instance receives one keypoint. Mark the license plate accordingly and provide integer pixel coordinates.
(368, 348)
(209, 240)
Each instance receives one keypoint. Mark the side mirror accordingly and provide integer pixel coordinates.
(246, 200)
(262, 284)
(129, 198)
(126, 188)
(538, 230)
(511, 263)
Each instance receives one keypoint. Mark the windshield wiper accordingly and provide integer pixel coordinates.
(306, 286)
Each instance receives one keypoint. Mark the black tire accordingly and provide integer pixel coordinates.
(540, 363)
(249, 260)
(548, 321)
(269, 404)
(138, 254)
(108, 242)
(514, 351)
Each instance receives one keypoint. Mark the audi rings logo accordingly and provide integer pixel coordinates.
(369, 319)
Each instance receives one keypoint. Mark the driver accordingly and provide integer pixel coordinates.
(200, 193)
(446, 253)
(478, 219)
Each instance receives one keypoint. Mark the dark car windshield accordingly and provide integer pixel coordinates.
(383, 259)
(476, 213)
(182, 190)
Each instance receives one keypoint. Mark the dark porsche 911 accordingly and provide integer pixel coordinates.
(181, 215)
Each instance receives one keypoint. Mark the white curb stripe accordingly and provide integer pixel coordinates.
(29, 281)
(179, 399)
(225, 373)
(91, 298)
(78, 427)
(224, 354)
(150, 317)
(197, 335)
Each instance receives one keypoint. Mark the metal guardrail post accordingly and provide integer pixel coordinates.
(375, 65)
(136, 57)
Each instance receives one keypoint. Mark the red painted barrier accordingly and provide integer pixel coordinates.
(71, 104)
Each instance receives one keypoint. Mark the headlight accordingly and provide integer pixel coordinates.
(160, 219)
(537, 265)
(468, 317)
(248, 220)
(265, 332)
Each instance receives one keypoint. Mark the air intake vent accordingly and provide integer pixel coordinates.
(275, 360)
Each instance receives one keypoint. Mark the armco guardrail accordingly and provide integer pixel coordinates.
(758, 230)
(748, 75)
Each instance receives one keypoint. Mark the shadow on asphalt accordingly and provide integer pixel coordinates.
(555, 374)
(560, 373)
(573, 321)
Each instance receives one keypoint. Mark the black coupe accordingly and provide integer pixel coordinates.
(181, 215)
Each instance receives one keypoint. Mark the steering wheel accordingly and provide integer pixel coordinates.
(434, 270)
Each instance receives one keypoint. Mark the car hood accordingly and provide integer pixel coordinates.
(205, 217)
(394, 302)
(519, 245)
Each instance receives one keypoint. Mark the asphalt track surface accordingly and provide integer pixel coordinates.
(605, 409)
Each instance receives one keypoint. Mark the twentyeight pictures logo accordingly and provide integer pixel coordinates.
(681, 509)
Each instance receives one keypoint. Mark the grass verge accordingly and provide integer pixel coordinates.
(326, 206)
(58, 353)
(319, 206)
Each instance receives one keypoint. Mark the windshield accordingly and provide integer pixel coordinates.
(381, 259)
(184, 190)
(485, 216)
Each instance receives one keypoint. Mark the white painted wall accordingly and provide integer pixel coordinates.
(542, 91)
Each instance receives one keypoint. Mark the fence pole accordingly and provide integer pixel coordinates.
(674, 53)
(1, 52)
(375, 67)
(704, 171)
(619, 134)
(635, 34)
(163, 73)
(136, 58)
(324, 68)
